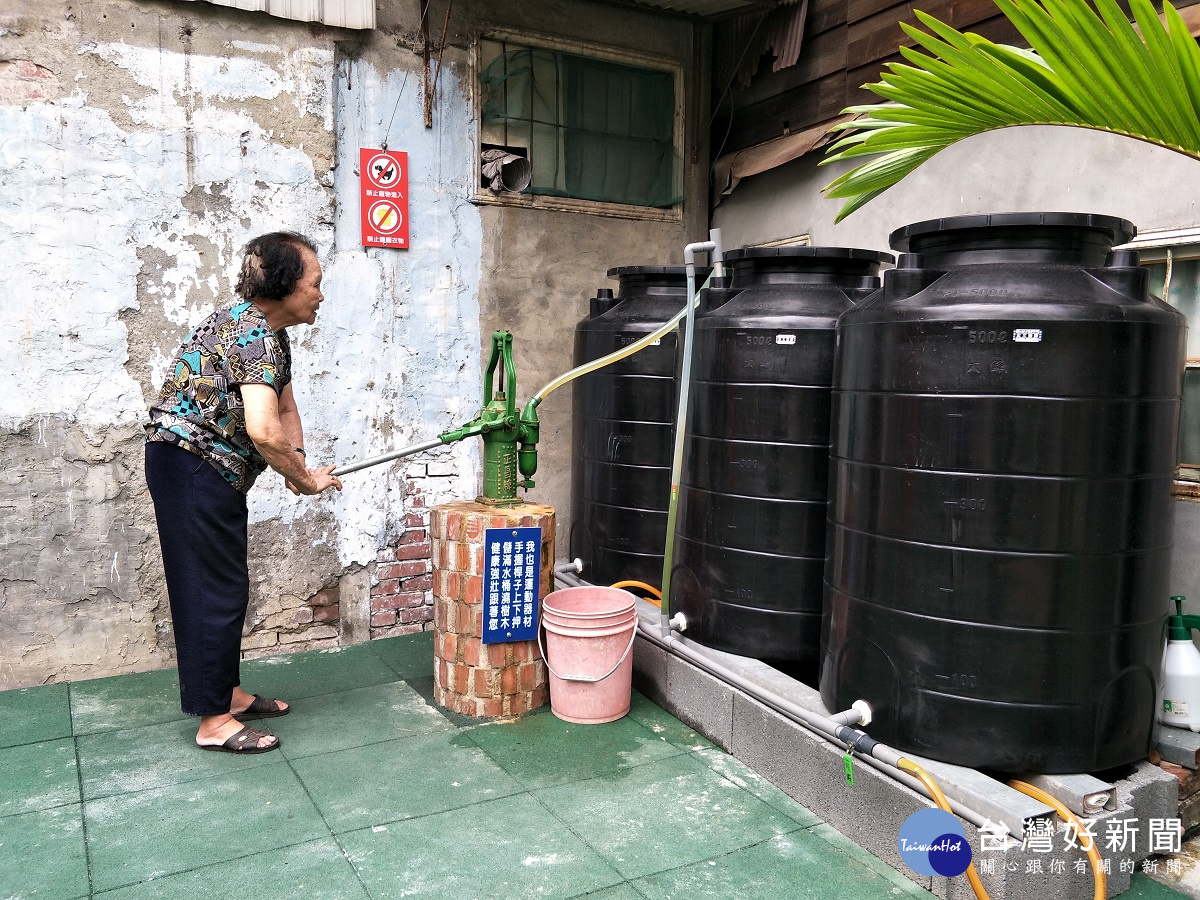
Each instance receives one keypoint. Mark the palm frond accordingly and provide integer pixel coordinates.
(1088, 67)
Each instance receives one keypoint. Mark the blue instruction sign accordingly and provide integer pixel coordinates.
(512, 567)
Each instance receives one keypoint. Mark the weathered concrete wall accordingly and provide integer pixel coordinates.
(141, 144)
(542, 267)
(1010, 170)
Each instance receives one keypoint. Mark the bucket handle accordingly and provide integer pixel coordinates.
(590, 679)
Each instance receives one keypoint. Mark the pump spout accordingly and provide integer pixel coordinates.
(527, 435)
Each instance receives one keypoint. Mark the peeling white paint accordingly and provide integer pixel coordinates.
(123, 205)
(392, 359)
(300, 76)
(80, 197)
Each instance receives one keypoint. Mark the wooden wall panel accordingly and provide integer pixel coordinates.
(847, 44)
(818, 101)
(866, 71)
(822, 55)
(825, 14)
(879, 36)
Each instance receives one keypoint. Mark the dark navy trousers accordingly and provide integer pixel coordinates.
(202, 533)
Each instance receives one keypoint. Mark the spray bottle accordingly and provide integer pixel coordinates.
(1181, 672)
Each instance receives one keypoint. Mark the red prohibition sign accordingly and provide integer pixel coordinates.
(386, 217)
(383, 198)
(383, 170)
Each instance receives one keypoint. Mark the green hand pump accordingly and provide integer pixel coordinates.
(502, 430)
(509, 440)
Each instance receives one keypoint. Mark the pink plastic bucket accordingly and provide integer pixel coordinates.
(588, 607)
(589, 653)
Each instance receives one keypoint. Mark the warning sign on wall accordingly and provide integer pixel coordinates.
(383, 178)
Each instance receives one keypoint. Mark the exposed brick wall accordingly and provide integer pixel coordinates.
(289, 623)
(402, 583)
(400, 579)
(470, 677)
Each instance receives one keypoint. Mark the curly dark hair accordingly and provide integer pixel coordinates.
(272, 265)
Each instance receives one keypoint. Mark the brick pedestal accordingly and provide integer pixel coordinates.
(470, 677)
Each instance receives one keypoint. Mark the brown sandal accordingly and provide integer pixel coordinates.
(244, 741)
(262, 708)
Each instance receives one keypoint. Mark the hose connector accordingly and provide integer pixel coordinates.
(855, 739)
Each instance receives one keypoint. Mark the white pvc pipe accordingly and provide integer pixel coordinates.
(882, 758)
(713, 247)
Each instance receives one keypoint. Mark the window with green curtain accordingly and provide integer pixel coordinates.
(594, 129)
(1184, 294)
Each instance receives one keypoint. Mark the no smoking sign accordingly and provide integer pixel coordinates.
(383, 181)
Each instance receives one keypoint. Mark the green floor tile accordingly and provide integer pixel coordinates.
(749, 780)
(368, 715)
(1143, 887)
(848, 848)
(42, 854)
(125, 701)
(541, 750)
(619, 892)
(35, 714)
(664, 725)
(409, 656)
(400, 780)
(312, 871)
(504, 849)
(314, 672)
(149, 834)
(663, 815)
(796, 866)
(38, 776)
(153, 756)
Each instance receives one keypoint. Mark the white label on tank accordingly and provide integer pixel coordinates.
(1176, 708)
(1027, 335)
(785, 339)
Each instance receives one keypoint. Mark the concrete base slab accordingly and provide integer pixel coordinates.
(810, 769)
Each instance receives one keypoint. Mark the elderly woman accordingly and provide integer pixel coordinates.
(225, 413)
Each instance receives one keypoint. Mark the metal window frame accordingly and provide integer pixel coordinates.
(1161, 246)
(484, 197)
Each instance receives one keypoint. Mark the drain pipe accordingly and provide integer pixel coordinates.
(716, 255)
(838, 729)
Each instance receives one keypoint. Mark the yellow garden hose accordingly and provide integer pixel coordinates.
(1069, 817)
(653, 591)
(939, 798)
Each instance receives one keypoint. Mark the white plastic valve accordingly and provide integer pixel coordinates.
(863, 708)
(679, 622)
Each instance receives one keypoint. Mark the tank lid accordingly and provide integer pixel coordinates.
(618, 271)
(810, 252)
(1121, 231)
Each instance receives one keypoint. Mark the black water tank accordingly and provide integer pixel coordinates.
(623, 424)
(1000, 501)
(750, 545)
